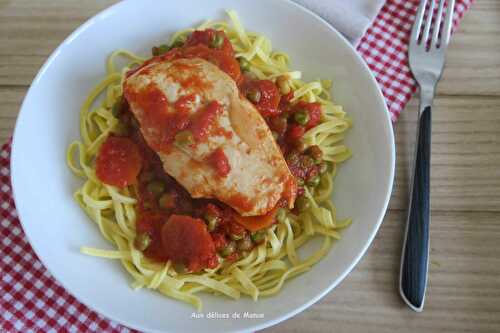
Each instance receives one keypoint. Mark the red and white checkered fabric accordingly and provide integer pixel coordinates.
(384, 48)
(32, 301)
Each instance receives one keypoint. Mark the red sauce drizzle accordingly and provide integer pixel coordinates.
(161, 123)
(186, 241)
(240, 201)
(218, 160)
(176, 229)
(204, 119)
(183, 104)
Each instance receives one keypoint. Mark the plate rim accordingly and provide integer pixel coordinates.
(268, 323)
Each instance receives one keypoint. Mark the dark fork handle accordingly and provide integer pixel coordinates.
(415, 256)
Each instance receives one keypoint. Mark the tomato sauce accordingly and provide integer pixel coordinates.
(183, 104)
(191, 231)
(186, 241)
(218, 160)
(198, 46)
(202, 122)
(118, 162)
(163, 124)
(169, 201)
(268, 96)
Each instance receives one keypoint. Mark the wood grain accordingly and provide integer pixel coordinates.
(473, 61)
(464, 280)
(465, 162)
(463, 293)
(465, 173)
(31, 30)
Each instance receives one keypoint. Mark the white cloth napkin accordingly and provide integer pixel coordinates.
(350, 17)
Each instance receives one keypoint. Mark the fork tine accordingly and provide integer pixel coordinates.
(415, 33)
(437, 24)
(428, 22)
(448, 22)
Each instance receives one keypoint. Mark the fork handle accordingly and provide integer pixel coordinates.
(415, 257)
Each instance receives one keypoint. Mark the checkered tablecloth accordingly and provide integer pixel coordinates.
(32, 301)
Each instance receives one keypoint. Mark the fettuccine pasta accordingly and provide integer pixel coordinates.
(262, 271)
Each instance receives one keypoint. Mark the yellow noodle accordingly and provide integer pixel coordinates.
(263, 271)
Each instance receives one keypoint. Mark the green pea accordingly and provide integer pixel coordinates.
(217, 41)
(244, 64)
(178, 42)
(281, 215)
(258, 236)
(212, 221)
(180, 268)
(156, 187)
(121, 129)
(254, 95)
(147, 205)
(166, 201)
(142, 241)
(323, 167)
(279, 124)
(301, 117)
(244, 244)
(146, 176)
(300, 146)
(314, 181)
(159, 50)
(116, 110)
(316, 153)
(302, 203)
(184, 138)
(228, 249)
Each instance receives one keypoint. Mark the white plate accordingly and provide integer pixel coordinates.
(48, 122)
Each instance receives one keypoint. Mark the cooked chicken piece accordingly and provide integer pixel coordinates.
(209, 138)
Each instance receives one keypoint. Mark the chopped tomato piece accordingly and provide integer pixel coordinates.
(204, 119)
(225, 61)
(264, 95)
(118, 161)
(219, 162)
(295, 133)
(255, 223)
(210, 37)
(313, 110)
(150, 223)
(222, 58)
(186, 241)
(286, 99)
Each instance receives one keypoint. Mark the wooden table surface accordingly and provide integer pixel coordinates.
(464, 273)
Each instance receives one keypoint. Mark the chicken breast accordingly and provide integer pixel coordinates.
(209, 138)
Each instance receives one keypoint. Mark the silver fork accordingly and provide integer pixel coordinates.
(427, 58)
